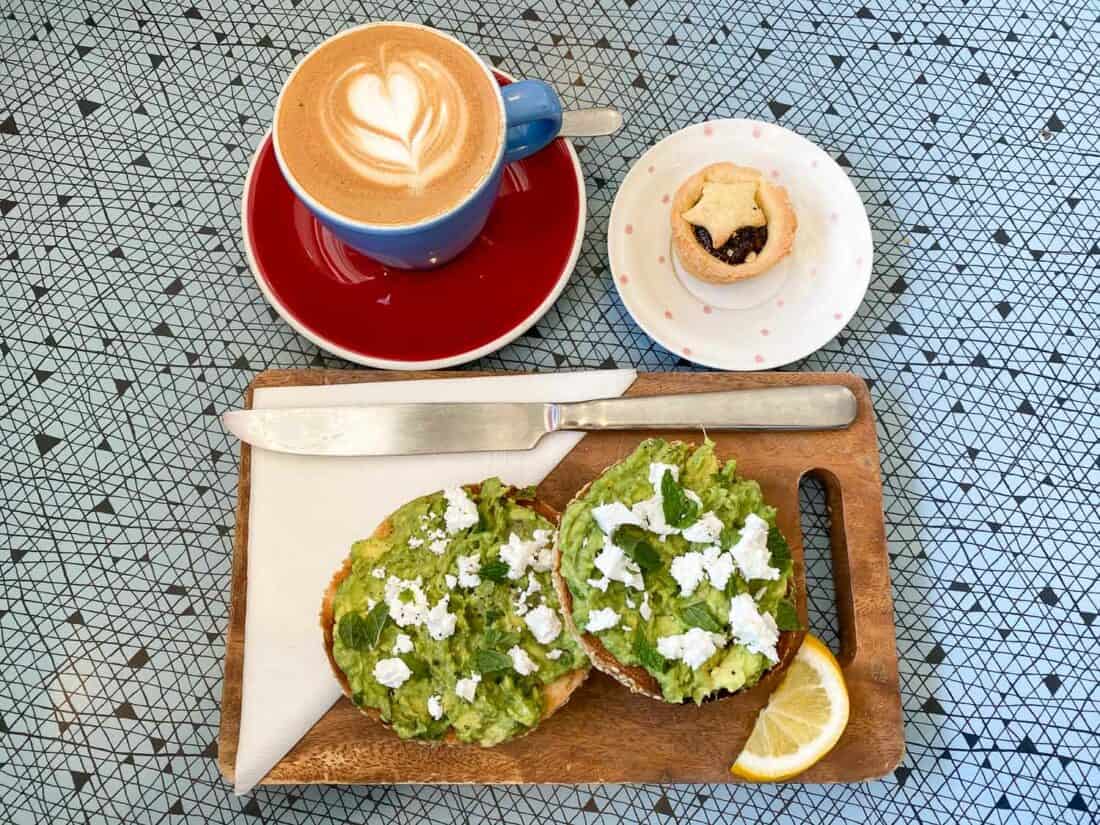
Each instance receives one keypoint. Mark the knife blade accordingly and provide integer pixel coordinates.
(412, 429)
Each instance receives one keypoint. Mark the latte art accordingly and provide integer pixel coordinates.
(401, 127)
(390, 124)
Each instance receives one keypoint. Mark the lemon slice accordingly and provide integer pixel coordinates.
(803, 719)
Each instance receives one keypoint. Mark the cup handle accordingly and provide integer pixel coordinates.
(532, 113)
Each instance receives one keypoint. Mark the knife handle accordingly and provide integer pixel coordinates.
(822, 407)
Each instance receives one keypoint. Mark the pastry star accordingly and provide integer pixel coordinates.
(724, 208)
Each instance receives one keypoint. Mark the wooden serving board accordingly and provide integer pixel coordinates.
(605, 733)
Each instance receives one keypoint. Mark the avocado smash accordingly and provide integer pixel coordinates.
(448, 618)
(674, 563)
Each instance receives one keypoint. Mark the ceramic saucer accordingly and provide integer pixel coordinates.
(363, 311)
(764, 322)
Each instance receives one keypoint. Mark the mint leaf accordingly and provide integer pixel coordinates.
(728, 537)
(417, 665)
(494, 571)
(352, 631)
(779, 549)
(634, 542)
(358, 633)
(495, 637)
(375, 622)
(488, 661)
(786, 617)
(647, 654)
(699, 615)
(680, 511)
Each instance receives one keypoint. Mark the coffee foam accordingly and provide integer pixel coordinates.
(398, 127)
(399, 112)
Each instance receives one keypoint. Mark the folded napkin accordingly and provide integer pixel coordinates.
(305, 513)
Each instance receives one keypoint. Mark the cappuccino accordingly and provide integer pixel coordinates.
(390, 124)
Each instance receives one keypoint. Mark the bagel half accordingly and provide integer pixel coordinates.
(555, 694)
(636, 678)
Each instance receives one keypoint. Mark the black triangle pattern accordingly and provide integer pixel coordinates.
(128, 321)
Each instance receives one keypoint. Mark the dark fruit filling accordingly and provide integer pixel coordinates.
(744, 241)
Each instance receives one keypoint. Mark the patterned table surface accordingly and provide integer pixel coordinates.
(128, 320)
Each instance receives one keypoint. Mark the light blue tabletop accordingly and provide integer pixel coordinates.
(128, 319)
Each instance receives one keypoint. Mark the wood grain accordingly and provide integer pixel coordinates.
(607, 734)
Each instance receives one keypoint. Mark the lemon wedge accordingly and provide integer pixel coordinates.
(803, 719)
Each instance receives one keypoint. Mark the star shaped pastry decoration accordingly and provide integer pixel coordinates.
(724, 208)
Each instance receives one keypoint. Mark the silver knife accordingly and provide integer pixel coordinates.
(409, 429)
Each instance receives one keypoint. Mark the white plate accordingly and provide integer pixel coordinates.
(787, 313)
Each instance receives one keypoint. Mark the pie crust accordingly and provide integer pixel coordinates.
(772, 200)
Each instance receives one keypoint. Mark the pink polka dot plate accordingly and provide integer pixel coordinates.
(781, 316)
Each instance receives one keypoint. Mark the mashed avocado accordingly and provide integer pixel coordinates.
(675, 565)
(451, 619)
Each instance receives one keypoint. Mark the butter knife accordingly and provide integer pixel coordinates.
(410, 429)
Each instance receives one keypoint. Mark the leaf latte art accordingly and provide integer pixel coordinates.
(401, 127)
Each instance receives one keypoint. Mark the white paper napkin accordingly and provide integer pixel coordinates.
(307, 510)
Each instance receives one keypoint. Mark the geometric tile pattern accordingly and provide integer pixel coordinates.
(128, 320)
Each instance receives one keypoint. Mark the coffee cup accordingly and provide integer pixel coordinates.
(395, 136)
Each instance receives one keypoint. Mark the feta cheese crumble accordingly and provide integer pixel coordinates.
(450, 580)
(438, 541)
(379, 572)
(718, 566)
(406, 612)
(690, 568)
(617, 566)
(403, 643)
(687, 569)
(519, 554)
(415, 541)
(600, 583)
(608, 517)
(435, 706)
(461, 511)
(657, 473)
(391, 673)
(519, 603)
(441, 624)
(693, 648)
(755, 630)
(601, 619)
(467, 688)
(555, 654)
(705, 530)
(544, 624)
(522, 663)
(645, 610)
(651, 514)
(751, 551)
(468, 567)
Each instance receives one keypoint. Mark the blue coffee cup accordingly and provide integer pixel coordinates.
(531, 113)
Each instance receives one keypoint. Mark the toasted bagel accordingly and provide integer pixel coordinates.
(636, 678)
(555, 694)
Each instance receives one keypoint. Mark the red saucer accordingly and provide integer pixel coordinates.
(363, 311)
